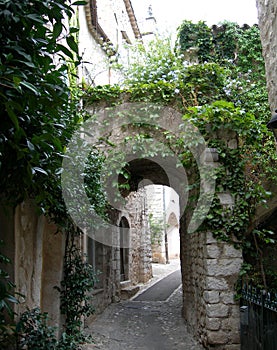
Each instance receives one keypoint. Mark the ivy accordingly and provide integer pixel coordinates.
(109, 93)
(34, 332)
(8, 297)
(215, 77)
(40, 110)
(196, 36)
(78, 283)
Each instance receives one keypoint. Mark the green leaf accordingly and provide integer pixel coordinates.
(65, 50)
(34, 17)
(30, 87)
(12, 115)
(72, 43)
(39, 170)
(79, 3)
(57, 29)
(30, 146)
(16, 81)
(73, 30)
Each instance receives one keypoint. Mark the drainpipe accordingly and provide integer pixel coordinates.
(165, 229)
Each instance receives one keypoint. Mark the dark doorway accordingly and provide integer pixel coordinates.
(124, 252)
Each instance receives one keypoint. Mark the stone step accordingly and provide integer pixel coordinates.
(128, 292)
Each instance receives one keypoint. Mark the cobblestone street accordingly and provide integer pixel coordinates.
(140, 325)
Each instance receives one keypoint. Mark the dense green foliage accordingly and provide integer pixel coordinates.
(34, 331)
(75, 291)
(40, 110)
(7, 300)
(215, 77)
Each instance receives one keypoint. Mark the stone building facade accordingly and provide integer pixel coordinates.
(267, 16)
(107, 28)
(123, 266)
(164, 209)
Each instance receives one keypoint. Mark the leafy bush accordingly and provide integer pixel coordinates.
(76, 287)
(156, 64)
(34, 332)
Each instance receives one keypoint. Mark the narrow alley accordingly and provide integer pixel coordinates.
(146, 321)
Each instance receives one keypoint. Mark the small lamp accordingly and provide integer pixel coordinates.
(272, 125)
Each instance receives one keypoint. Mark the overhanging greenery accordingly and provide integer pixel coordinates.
(223, 89)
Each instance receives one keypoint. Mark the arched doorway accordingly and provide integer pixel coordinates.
(164, 214)
(124, 252)
(173, 236)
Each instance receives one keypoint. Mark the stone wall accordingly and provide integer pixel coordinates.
(107, 260)
(36, 252)
(107, 289)
(140, 248)
(210, 271)
(267, 16)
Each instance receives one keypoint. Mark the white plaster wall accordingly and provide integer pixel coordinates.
(95, 66)
(163, 203)
(173, 237)
(171, 203)
(113, 18)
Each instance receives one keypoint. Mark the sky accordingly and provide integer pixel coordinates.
(170, 13)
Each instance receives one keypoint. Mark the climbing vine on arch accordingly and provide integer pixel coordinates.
(225, 89)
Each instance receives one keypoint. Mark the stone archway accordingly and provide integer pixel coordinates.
(209, 268)
(209, 273)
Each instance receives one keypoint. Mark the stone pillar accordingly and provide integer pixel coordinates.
(210, 270)
(140, 242)
(28, 230)
(145, 250)
(52, 272)
(222, 322)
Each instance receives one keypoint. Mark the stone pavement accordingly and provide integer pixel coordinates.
(141, 325)
(162, 289)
